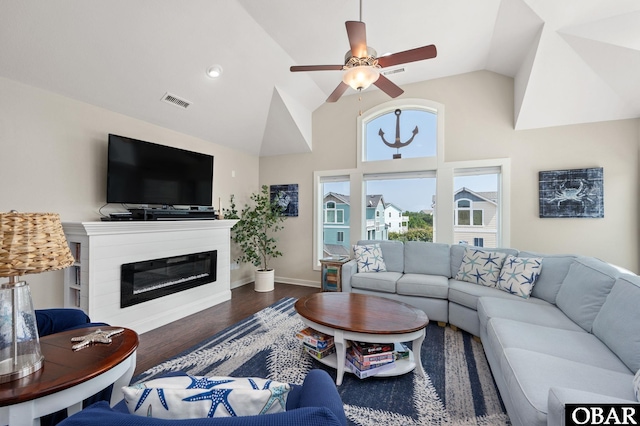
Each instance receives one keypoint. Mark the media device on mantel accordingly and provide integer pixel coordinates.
(144, 173)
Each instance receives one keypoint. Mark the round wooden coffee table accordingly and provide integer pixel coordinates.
(364, 318)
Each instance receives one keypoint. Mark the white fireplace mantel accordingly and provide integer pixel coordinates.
(93, 283)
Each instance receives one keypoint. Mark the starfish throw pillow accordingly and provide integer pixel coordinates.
(519, 274)
(480, 267)
(193, 397)
(369, 258)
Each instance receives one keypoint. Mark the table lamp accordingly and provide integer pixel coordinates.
(29, 243)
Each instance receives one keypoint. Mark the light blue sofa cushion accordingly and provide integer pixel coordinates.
(567, 344)
(618, 322)
(529, 375)
(392, 253)
(376, 281)
(559, 397)
(530, 311)
(433, 286)
(467, 294)
(554, 270)
(457, 253)
(585, 289)
(427, 258)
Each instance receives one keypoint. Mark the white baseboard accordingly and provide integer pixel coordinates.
(295, 281)
(283, 280)
(241, 282)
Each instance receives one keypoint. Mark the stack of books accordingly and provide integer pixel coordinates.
(315, 343)
(369, 359)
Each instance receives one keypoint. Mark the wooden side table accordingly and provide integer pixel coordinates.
(68, 377)
(332, 272)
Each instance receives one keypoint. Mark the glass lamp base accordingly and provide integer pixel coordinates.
(29, 365)
(19, 341)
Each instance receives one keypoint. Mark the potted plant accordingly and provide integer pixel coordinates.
(254, 234)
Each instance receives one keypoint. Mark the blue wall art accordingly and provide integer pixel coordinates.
(572, 193)
(288, 199)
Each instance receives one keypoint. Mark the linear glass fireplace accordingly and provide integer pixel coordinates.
(150, 279)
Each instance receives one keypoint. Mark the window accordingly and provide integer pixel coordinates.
(406, 198)
(333, 214)
(477, 206)
(410, 192)
(331, 220)
(407, 132)
(465, 213)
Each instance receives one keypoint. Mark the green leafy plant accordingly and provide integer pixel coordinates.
(254, 232)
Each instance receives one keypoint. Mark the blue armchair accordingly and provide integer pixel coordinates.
(50, 321)
(314, 403)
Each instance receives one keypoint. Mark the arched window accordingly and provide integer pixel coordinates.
(396, 133)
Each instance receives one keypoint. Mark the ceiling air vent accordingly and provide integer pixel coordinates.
(175, 100)
(394, 71)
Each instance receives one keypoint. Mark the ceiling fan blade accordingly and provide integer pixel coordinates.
(335, 95)
(357, 33)
(316, 68)
(388, 87)
(413, 55)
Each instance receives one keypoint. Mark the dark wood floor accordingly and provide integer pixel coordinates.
(164, 342)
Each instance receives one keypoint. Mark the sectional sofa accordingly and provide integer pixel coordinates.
(574, 339)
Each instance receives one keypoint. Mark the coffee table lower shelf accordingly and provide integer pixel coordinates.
(340, 340)
(400, 366)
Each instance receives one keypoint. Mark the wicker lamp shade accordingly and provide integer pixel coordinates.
(32, 243)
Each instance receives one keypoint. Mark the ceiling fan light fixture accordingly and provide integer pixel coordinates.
(214, 71)
(361, 77)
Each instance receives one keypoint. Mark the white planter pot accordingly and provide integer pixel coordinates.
(264, 280)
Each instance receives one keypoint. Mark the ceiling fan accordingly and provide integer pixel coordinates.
(362, 65)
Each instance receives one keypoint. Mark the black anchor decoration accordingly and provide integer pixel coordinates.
(397, 144)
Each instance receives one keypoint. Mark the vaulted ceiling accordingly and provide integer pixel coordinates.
(573, 61)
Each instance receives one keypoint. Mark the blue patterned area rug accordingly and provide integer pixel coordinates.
(459, 389)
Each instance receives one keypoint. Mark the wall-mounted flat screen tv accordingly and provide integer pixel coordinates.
(140, 172)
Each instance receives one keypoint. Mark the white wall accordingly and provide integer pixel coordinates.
(53, 154)
(479, 125)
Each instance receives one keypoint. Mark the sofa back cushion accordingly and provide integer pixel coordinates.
(553, 272)
(617, 323)
(457, 253)
(427, 258)
(585, 289)
(392, 253)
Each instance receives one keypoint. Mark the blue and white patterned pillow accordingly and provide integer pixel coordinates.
(369, 258)
(480, 267)
(194, 397)
(519, 274)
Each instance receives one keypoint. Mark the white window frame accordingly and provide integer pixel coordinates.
(320, 177)
(445, 193)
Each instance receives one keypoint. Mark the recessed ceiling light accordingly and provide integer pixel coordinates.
(214, 71)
